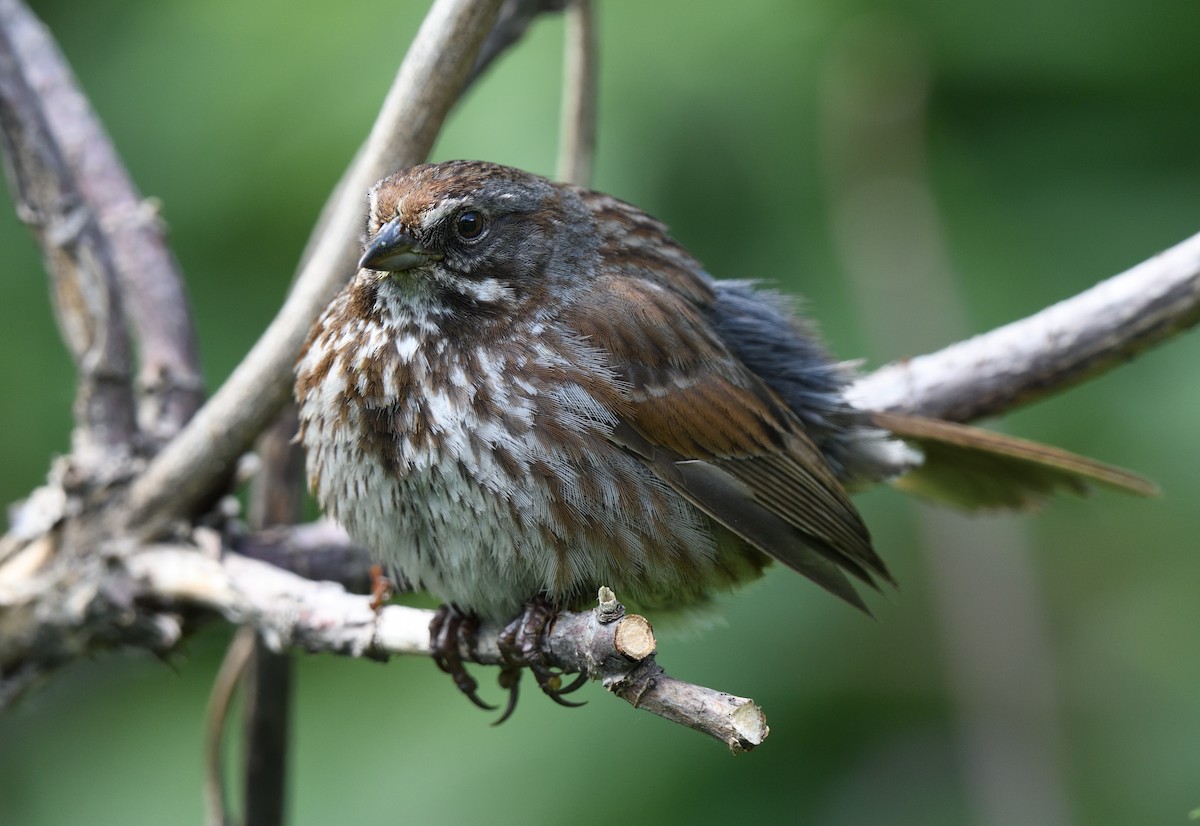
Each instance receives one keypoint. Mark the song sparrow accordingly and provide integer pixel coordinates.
(530, 390)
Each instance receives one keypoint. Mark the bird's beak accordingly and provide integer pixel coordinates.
(394, 250)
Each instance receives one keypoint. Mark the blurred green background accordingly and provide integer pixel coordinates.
(1034, 669)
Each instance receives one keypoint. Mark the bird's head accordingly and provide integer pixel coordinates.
(474, 235)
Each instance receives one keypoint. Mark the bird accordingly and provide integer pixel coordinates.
(531, 389)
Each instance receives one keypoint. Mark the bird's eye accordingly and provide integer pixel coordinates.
(470, 224)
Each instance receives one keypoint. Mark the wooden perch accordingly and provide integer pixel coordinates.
(295, 613)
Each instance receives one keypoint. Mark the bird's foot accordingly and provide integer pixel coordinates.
(448, 631)
(520, 646)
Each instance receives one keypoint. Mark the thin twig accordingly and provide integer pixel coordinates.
(577, 130)
(266, 735)
(220, 700)
(427, 85)
(151, 285)
(1047, 352)
(77, 258)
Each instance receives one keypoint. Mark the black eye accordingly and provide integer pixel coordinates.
(470, 224)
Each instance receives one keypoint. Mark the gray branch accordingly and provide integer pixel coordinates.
(77, 256)
(151, 285)
(291, 612)
(276, 497)
(1061, 346)
(512, 22)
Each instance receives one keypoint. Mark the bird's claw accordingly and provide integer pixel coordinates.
(447, 631)
(520, 645)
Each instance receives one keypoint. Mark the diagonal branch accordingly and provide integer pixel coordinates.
(77, 256)
(1063, 345)
(429, 81)
(148, 276)
(512, 21)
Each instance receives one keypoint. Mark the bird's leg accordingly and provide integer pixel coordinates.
(448, 630)
(520, 645)
(381, 588)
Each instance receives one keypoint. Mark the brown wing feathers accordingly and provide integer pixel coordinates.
(717, 435)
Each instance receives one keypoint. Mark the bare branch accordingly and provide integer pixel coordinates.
(430, 79)
(577, 131)
(266, 735)
(1049, 351)
(317, 550)
(512, 22)
(77, 258)
(152, 288)
(291, 612)
(738, 722)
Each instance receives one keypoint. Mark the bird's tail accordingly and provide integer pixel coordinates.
(975, 468)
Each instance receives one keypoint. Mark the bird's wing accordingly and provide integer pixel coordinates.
(715, 433)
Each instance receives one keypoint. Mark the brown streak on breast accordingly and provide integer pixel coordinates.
(309, 380)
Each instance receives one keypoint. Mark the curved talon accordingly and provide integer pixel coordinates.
(567, 703)
(447, 630)
(469, 687)
(520, 644)
(551, 684)
(580, 680)
(556, 696)
(510, 678)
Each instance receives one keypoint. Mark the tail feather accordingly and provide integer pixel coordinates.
(976, 468)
